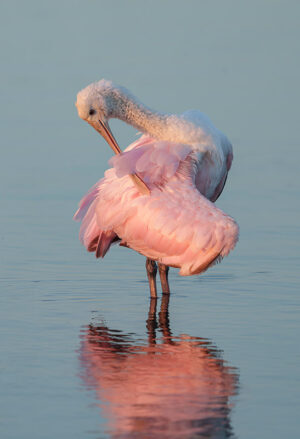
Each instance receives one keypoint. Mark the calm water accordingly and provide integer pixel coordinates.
(84, 354)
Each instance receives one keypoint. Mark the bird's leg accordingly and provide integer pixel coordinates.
(164, 306)
(163, 274)
(151, 273)
(164, 322)
(152, 321)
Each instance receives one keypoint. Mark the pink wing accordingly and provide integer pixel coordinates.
(175, 225)
(90, 234)
(155, 162)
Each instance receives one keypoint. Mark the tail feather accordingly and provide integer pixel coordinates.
(104, 242)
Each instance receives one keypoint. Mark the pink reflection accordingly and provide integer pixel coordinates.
(177, 387)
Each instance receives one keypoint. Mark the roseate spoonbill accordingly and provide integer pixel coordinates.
(165, 210)
(171, 387)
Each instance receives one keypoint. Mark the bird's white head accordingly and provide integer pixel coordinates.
(95, 104)
(94, 101)
(99, 102)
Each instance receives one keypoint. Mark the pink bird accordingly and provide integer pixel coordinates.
(157, 198)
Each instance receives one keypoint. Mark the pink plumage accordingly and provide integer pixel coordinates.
(175, 225)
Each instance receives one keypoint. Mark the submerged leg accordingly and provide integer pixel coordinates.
(152, 321)
(164, 322)
(163, 274)
(151, 273)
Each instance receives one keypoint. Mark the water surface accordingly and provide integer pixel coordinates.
(77, 342)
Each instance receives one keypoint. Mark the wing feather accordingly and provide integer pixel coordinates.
(175, 225)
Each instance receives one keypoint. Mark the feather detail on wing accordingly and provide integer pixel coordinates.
(154, 161)
(90, 234)
(175, 224)
(179, 227)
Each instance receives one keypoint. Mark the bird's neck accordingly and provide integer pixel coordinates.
(160, 126)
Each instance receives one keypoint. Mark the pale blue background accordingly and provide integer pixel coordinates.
(238, 62)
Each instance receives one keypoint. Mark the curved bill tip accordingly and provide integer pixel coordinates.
(140, 184)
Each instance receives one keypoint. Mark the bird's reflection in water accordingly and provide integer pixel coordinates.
(164, 387)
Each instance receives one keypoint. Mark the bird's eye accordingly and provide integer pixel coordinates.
(92, 111)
